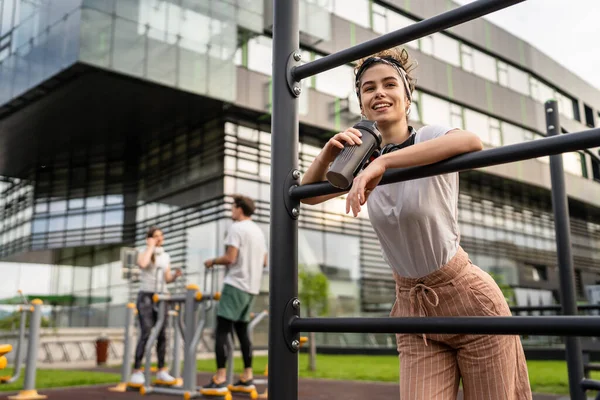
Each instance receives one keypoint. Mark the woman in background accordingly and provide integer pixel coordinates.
(155, 265)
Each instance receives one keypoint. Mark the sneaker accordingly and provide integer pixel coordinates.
(137, 379)
(243, 386)
(214, 388)
(163, 376)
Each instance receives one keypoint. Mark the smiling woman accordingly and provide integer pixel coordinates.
(416, 223)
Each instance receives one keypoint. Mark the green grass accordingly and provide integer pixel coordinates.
(545, 376)
(49, 378)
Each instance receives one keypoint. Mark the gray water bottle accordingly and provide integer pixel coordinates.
(352, 158)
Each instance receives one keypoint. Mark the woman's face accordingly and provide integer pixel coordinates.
(383, 96)
(158, 235)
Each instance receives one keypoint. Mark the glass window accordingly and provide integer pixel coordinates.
(128, 49)
(435, 110)
(310, 247)
(456, 116)
(75, 221)
(93, 220)
(260, 55)
(446, 48)
(512, 134)
(113, 217)
(426, 45)
(484, 66)
(40, 225)
(337, 82)
(495, 132)
(572, 163)
(466, 54)
(356, 11)
(347, 262)
(397, 21)
(502, 73)
(518, 80)
(379, 18)
(479, 124)
(56, 224)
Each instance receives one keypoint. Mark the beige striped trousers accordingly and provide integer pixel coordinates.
(431, 366)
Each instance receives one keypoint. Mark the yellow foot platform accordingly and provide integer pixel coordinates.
(28, 395)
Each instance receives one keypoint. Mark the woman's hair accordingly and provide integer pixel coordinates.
(150, 234)
(245, 203)
(396, 57)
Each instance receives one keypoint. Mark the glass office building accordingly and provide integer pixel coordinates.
(119, 115)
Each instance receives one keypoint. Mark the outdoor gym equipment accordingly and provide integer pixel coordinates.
(28, 392)
(285, 323)
(192, 329)
(22, 310)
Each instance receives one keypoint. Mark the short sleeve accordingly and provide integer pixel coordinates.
(234, 237)
(432, 132)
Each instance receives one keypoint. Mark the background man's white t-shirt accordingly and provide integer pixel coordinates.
(246, 273)
(417, 221)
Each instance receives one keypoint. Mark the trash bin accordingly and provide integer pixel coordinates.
(102, 344)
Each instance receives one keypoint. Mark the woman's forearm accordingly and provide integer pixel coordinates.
(432, 151)
(316, 173)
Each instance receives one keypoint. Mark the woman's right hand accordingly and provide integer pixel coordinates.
(151, 242)
(335, 145)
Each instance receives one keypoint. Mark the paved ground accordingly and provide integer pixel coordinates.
(309, 389)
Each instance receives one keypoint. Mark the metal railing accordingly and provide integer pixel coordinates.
(285, 323)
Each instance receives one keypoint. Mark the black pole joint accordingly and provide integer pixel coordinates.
(292, 311)
(292, 205)
(293, 83)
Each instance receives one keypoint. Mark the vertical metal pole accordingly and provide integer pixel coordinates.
(283, 280)
(563, 251)
(176, 367)
(126, 367)
(189, 360)
(20, 345)
(32, 353)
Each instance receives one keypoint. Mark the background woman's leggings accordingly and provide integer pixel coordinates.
(432, 365)
(148, 316)
(224, 328)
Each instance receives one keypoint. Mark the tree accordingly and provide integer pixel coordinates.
(507, 290)
(314, 298)
(12, 321)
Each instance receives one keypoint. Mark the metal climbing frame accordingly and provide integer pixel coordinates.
(285, 323)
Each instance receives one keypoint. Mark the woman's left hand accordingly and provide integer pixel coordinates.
(363, 185)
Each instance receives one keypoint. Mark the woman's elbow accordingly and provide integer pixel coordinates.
(473, 143)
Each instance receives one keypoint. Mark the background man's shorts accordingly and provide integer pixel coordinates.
(235, 304)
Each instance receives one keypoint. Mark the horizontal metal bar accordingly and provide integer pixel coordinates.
(415, 31)
(543, 326)
(554, 307)
(500, 155)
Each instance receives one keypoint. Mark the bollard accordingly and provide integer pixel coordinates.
(29, 392)
(126, 367)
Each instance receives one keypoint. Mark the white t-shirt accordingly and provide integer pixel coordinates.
(416, 221)
(150, 280)
(246, 273)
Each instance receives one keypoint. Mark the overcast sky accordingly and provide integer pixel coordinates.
(566, 30)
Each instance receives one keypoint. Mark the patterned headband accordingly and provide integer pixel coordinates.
(388, 61)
